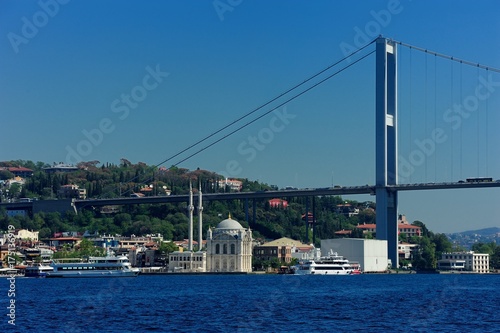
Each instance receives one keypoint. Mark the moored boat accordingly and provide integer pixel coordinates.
(109, 266)
(332, 264)
(38, 270)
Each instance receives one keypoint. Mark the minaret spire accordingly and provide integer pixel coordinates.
(200, 220)
(190, 210)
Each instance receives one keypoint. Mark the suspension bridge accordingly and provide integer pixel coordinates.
(395, 171)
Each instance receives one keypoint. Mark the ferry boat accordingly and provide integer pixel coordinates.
(332, 264)
(109, 266)
(38, 270)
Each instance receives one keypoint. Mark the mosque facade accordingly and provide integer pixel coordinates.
(229, 248)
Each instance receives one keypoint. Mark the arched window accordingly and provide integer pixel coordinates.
(233, 249)
(217, 248)
(224, 249)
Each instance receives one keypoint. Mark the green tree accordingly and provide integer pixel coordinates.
(442, 243)
(486, 248)
(425, 231)
(495, 258)
(6, 174)
(87, 249)
(425, 257)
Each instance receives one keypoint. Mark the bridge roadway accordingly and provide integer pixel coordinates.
(337, 190)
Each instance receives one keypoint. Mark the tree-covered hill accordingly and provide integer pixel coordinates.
(170, 220)
(115, 180)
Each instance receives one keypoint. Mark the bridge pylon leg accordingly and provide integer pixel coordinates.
(387, 221)
(386, 146)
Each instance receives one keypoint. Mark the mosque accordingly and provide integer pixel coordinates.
(229, 247)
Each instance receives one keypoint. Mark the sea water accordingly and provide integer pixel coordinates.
(255, 303)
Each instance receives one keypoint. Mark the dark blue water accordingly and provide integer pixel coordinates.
(256, 303)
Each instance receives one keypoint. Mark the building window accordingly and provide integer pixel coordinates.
(224, 249)
(217, 249)
(233, 249)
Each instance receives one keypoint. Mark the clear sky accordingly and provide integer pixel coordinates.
(104, 80)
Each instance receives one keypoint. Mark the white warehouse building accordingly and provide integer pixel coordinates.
(371, 254)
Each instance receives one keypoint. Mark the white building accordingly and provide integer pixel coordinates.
(25, 234)
(465, 261)
(229, 247)
(303, 253)
(371, 254)
(187, 262)
(405, 250)
(233, 184)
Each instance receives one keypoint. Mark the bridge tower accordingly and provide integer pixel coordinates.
(386, 146)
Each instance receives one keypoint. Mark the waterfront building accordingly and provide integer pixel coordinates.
(465, 261)
(136, 242)
(187, 262)
(305, 252)
(229, 247)
(4, 252)
(371, 254)
(405, 250)
(282, 249)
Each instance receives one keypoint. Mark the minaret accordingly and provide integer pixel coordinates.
(190, 210)
(200, 225)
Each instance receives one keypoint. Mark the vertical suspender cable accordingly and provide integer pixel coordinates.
(425, 112)
(435, 116)
(486, 130)
(477, 129)
(451, 105)
(400, 65)
(461, 127)
(411, 102)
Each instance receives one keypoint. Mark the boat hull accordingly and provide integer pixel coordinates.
(95, 267)
(95, 274)
(322, 272)
(37, 271)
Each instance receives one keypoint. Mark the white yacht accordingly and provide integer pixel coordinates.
(40, 270)
(109, 266)
(332, 264)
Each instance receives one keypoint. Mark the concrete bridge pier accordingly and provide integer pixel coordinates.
(386, 146)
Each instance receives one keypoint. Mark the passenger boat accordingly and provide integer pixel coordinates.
(38, 270)
(109, 266)
(332, 264)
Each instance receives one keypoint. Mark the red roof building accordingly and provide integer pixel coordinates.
(19, 171)
(278, 203)
(403, 227)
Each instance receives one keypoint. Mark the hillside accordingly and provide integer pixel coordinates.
(110, 181)
(467, 239)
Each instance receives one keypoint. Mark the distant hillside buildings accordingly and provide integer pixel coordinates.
(404, 227)
(61, 167)
(231, 184)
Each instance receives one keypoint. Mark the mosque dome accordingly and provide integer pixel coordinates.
(229, 223)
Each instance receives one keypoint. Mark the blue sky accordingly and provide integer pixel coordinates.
(93, 80)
